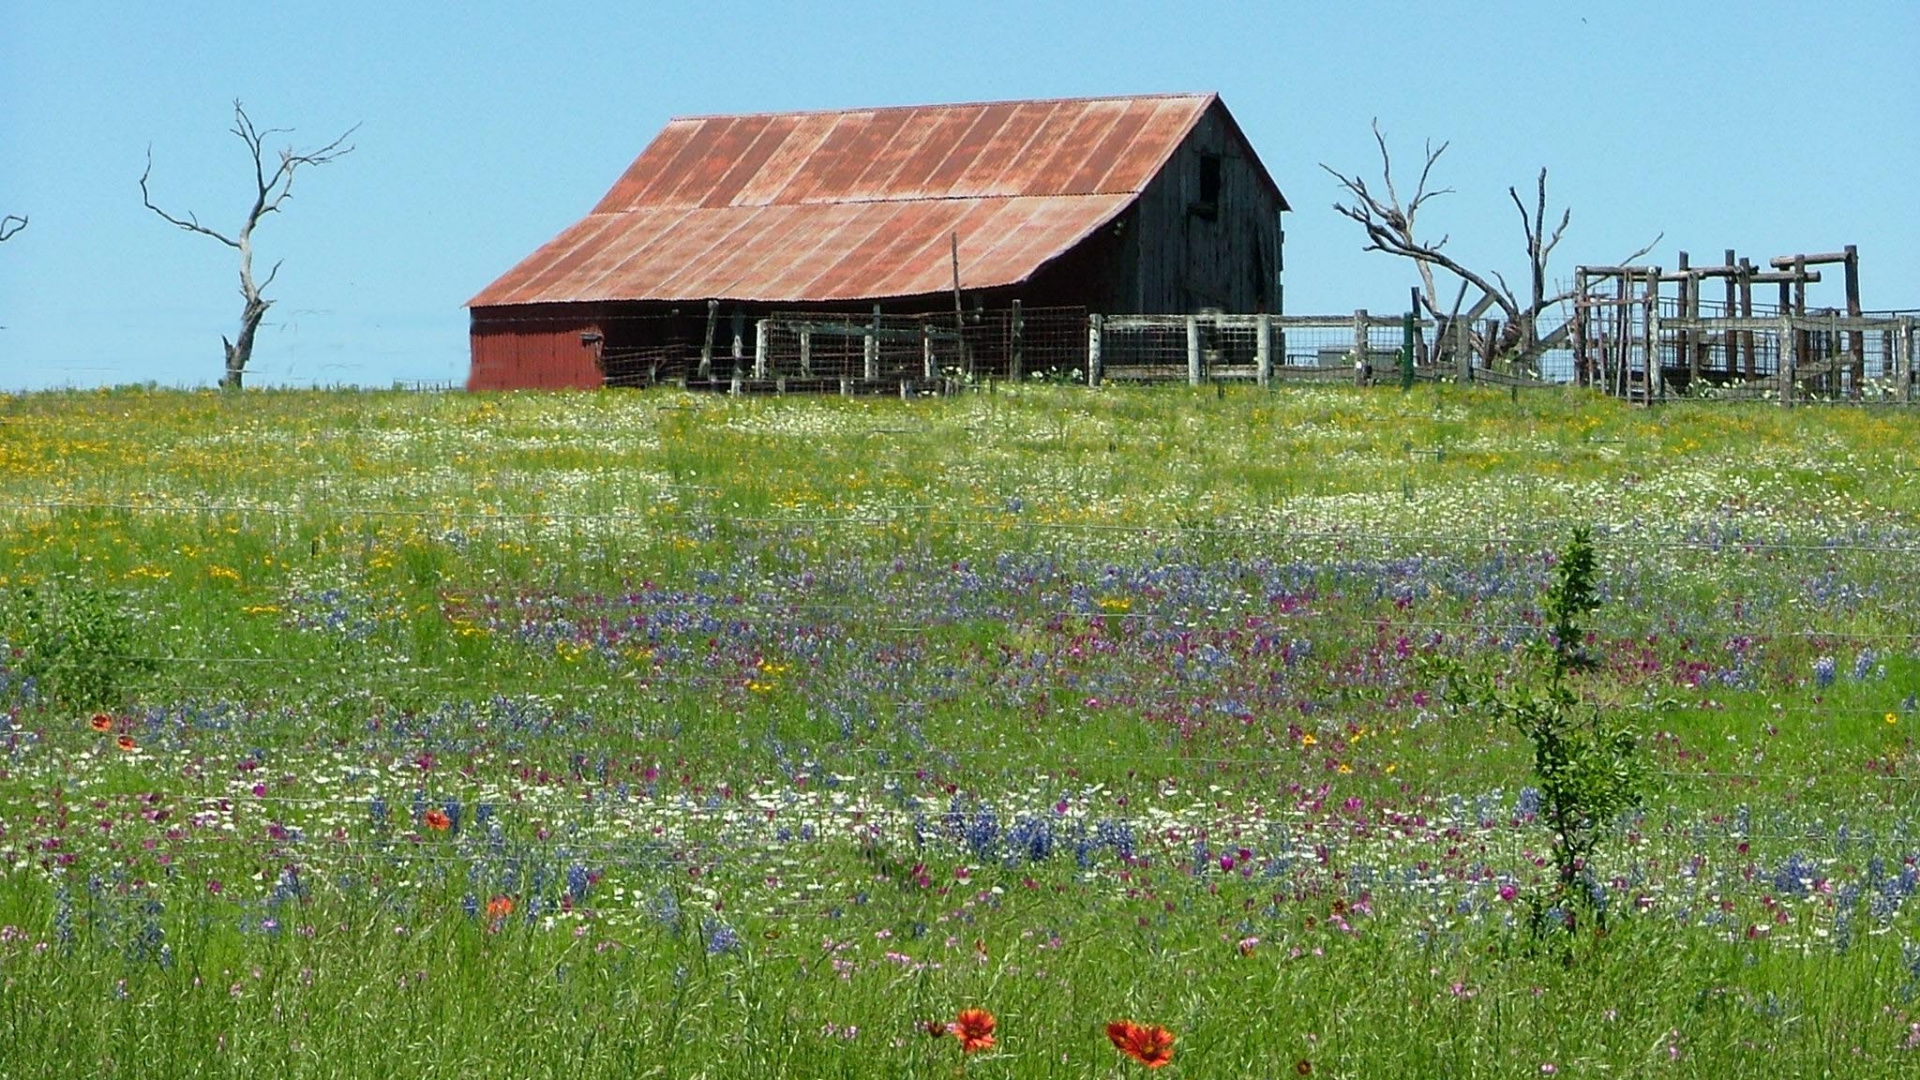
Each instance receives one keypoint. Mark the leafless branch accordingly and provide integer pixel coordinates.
(11, 225)
(190, 223)
(1389, 223)
(272, 187)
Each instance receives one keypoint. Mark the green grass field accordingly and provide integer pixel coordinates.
(643, 734)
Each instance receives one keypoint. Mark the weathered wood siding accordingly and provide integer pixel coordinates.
(1180, 257)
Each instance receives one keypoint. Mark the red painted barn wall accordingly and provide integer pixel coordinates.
(535, 348)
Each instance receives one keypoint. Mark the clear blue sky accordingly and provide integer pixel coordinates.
(487, 127)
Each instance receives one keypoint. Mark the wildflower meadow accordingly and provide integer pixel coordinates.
(1044, 732)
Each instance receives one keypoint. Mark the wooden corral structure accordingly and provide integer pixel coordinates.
(880, 237)
(1636, 341)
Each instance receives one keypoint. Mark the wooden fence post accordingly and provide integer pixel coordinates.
(806, 350)
(1656, 376)
(926, 352)
(1730, 340)
(739, 321)
(1016, 359)
(706, 346)
(871, 347)
(1905, 347)
(1462, 331)
(1193, 351)
(760, 349)
(1856, 339)
(1406, 352)
(1263, 349)
(1789, 358)
(1093, 349)
(1360, 347)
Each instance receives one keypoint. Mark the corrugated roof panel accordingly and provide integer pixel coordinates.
(691, 252)
(825, 158)
(879, 179)
(804, 136)
(987, 138)
(1114, 146)
(619, 244)
(945, 133)
(716, 147)
(1049, 173)
(653, 163)
(778, 231)
(767, 138)
(923, 262)
(580, 246)
(668, 171)
(1167, 125)
(851, 269)
(845, 205)
(840, 175)
(1001, 168)
(830, 230)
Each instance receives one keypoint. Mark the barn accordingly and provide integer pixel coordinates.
(866, 227)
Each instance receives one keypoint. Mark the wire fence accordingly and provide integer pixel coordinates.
(1701, 348)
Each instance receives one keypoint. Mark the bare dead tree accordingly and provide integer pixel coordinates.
(272, 188)
(11, 225)
(1390, 228)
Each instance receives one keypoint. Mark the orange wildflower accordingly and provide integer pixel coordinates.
(125, 742)
(499, 907)
(438, 821)
(974, 1029)
(101, 722)
(1151, 1046)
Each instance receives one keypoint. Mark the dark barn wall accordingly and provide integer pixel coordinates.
(535, 347)
(1188, 254)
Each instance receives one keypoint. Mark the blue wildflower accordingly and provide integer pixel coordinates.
(720, 937)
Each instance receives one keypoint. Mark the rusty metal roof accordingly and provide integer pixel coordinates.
(857, 204)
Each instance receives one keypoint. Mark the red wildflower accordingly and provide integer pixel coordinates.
(125, 742)
(499, 907)
(974, 1029)
(1151, 1046)
(101, 721)
(438, 821)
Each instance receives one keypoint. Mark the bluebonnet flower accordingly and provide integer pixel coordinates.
(1823, 672)
(720, 937)
(1528, 805)
(1031, 838)
(666, 908)
(1795, 877)
(1117, 835)
(983, 833)
(1863, 664)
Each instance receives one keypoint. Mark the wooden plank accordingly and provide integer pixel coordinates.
(1783, 262)
(1360, 326)
(1016, 360)
(1263, 350)
(1193, 351)
(1771, 322)
(1093, 350)
(706, 347)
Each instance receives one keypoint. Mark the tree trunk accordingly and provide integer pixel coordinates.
(239, 352)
